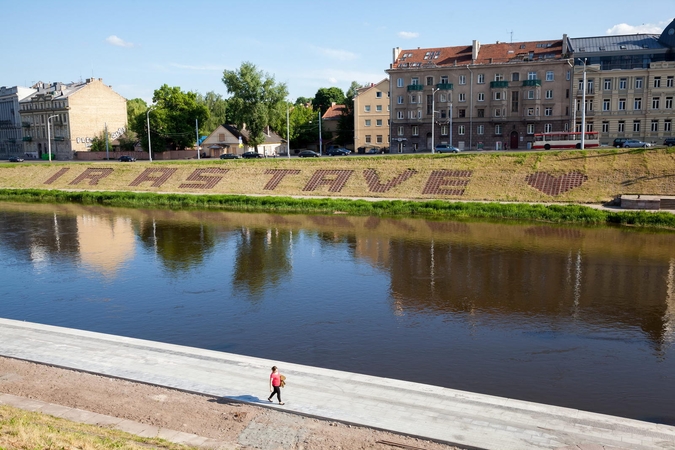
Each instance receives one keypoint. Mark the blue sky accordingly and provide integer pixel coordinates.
(137, 46)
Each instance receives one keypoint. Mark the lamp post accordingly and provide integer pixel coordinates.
(450, 131)
(288, 132)
(49, 137)
(147, 118)
(583, 107)
(433, 118)
(320, 137)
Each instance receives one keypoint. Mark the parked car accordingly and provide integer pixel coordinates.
(126, 159)
(15, 159)
(248, 155)
(446, 148)
(229, 156)
(618, 142)
(634, 143)
(338, 151)
(308, 154)
(669, 141)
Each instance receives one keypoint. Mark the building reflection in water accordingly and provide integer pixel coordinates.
(106, 243)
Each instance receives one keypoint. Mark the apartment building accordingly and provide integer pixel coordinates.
(75, 113)
(490, 96)
(10, 120)
(630, 85)
(371, 116)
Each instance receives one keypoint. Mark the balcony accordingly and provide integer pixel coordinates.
(499, 84)
(415, 87)
(27, 139)
(25, 124)
(589, 91)
(532, 83)
(444, 86)
(59, 138)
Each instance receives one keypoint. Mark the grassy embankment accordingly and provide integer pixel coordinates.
(29, 430)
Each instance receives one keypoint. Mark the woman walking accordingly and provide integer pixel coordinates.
(275, 384)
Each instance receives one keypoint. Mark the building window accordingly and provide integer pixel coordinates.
(655, 125)
(378, 94)
(498, 112)
(415, 130)
(462, 97)
(530, 111)
(605, 104)
(530, 94)
(499, 77)
(461, 130)
(413, 98)
(669, 81)
(548, 111)
(623, 82)
(367, 122)
(481, 97)
(419, 114)
(443, 114)
(366, 108)
(378, 108)
(444, 130)
(461, 112)
(480, 112)
(622, 126)
(514, 101)
(415, 81)
(622, 104)
(379, 139)
(399, 82)
(531, 75)
(548, 127)
(607, 85)
(637, 104)
(667, 125)
(378, 123)
(655, 102)
(415, 146)
(549, 94)
(400, 131)
(481, 78)
(638, 83)
(605, 127)
(399, 115)
(530, 128)
(462, 79)
(568, 75)
(400, 100)
(636, 126)
(498, 130)
(442, 98)
(480, 129)
(589, 126)
(430, 81)
(669, 103)
(515, 76)
(497, 95)
(444, 79)
(367, 139)
(549, 75)
(657, 82)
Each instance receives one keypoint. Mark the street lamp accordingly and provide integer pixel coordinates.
(583, 107)
(433, 118)
(147, 118)
(320, 137)
(49, 137)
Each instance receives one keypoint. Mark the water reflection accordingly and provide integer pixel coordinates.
(562, 315)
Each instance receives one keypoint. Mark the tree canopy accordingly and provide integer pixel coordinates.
(326, 96)
(217, 107)
(135, 107)
(257, 101)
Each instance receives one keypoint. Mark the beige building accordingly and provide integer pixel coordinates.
(630, 85)
(76, 113)
(490, 96)
(371, 116)
(229, 139)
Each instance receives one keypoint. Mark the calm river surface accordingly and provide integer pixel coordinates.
(577, 317)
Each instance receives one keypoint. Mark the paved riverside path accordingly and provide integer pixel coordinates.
(458, 417)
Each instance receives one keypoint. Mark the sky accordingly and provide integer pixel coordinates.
(137, 46)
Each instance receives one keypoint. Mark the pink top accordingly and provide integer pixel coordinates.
(276, 380)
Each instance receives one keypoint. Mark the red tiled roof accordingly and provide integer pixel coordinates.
(333, 112)
(501, 52)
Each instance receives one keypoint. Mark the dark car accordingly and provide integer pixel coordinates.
(669, 141)
(618, 142)
(15, 159)
(446, 148)
(126, 159)
(229, 156)
(635, 143)
(308, 154)
(338, 151)
(249, 155)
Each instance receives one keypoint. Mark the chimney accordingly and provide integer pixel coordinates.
(474, 50)
(565, 48)
(396, 52)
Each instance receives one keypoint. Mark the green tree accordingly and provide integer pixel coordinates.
(217, 107)
(135, 107)
(255, 100)
(98, 143)
(172, 119)
(345, 131)
(326, 96)
(304, 101)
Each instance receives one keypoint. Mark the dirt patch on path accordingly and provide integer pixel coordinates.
(239, 425)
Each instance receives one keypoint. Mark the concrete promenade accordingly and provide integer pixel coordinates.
(462, 418)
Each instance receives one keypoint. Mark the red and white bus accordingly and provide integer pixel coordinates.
(565, 139)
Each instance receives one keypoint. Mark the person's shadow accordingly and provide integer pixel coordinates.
(238, 399)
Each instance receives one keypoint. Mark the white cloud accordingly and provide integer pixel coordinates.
(408, 34)
(114, 40)
(340, 55)
(207, 67)
(649, 28)
(333, 80)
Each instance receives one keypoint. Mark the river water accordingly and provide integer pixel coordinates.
(570, 316)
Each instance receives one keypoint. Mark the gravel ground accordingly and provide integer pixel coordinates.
(237, 424)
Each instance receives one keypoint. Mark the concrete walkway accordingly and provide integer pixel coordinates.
(458, 417)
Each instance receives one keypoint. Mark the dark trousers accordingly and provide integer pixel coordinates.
(277, 391)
